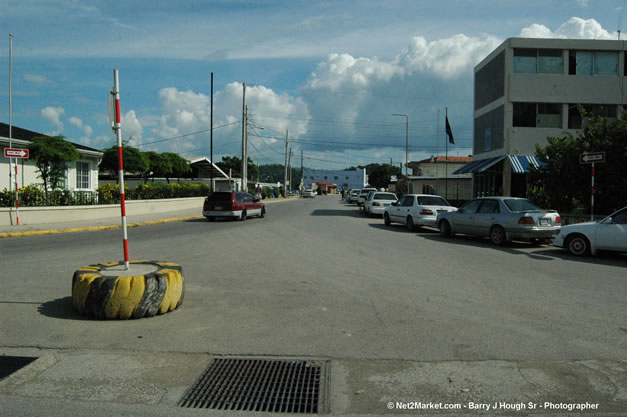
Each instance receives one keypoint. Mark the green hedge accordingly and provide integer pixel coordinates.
(33, 196)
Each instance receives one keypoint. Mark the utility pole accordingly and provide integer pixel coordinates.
(244, 144)
(211, 136)
(286, 155)
(302, 172)
(289, 166)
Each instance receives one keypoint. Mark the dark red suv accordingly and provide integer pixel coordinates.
(234, 204)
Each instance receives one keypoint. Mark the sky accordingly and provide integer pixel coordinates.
(329, 75)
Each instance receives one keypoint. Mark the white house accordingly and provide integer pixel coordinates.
(81, 175)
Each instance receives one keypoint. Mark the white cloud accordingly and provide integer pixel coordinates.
(575, 28)
(35, 78)
(582, 3)
(132, 127)
(53, 115)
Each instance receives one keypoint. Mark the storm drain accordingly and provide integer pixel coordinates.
(289, 386)
(10, 364)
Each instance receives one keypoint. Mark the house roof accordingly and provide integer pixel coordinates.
(28, 135)
(205, 164)
(449, 159)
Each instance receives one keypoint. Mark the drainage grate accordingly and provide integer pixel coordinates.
(10, 364)
(289, 386)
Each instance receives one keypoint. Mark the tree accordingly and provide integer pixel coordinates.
(234, 163)
(133, 160)
(159, 166)
(51, 155)
(379, 174)
(180, 166)
(564, 184)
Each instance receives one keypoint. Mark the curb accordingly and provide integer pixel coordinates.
(127, 296)
(112, 226)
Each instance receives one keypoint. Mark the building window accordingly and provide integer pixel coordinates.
(592, 63)
(577, 121)
(540, 61)
(82, 175)
(335, 177)
(538, 115)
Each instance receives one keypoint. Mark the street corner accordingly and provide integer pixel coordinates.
(110, 291)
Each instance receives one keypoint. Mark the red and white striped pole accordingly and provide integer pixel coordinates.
(17, 198)
(118, 130)
(592, 196)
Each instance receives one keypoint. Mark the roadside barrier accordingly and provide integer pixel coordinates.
(102, 291)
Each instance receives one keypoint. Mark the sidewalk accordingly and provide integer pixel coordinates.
(106, 223)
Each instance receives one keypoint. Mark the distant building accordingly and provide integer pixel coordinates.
(80, 175)
(529, 89)
(341, 179)
(435, 176)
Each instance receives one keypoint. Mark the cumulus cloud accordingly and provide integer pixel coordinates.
(132, 128)
(574, 28)
(186, 112)
(53, 115)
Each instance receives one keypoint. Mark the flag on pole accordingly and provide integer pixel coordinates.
(449, 132)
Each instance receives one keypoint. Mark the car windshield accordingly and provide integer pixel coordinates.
(520, 204)
(385, 196)
(220, 196)
(432, 201)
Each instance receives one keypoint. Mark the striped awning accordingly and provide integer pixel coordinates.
(478, 166)
(521, 163)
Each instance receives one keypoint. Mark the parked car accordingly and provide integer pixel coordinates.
(377, 201)
(354, 195)
(363, 194)
(415, 210)
(502, 219)
(587, 238)
(233, 204)
(308, 193)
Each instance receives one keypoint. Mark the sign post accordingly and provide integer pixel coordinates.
(117, 127)
(592, 158)
(16, 153)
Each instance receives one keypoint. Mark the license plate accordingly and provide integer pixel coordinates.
(442, 211)
(217, 208)
(545, 222)
(386, 204)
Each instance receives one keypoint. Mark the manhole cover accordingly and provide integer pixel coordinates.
(10, 364)
(289, 386)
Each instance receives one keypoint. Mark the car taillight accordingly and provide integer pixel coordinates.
(376, 204)
(526, 220)
(426, 211)
(558, 220)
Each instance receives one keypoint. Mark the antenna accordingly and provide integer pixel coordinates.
(620, 19)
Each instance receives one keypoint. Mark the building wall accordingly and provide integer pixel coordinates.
(451, 189)
(354, 179)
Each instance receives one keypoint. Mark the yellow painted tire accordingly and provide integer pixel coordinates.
(127, 297)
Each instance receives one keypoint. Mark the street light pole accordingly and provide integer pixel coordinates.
(406, 142)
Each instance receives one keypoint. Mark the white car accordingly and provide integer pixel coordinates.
(354, 195)
(586, 238)
(363, 195)
(308, 193)
(377, 201)
(417, 210)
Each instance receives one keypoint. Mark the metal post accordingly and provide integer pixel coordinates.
(11, 179)
(118, 131)
(592, 196)
(406, 143)
(211, 137)
(285, 176)
(244, 122)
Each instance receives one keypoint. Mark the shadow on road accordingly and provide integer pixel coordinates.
(329, 212)
(61, 308)
(535, 251)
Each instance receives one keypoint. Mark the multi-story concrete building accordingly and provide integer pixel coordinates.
(346, 180)
(529, 89)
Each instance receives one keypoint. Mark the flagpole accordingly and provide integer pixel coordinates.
(446, 161)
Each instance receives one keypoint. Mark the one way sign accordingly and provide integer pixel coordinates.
(15, 153)
(589, 158)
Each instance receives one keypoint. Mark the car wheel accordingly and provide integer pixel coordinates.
(445, 229)
(497, 235)
(263, 212)
(409, 224)
(578, 245)
(386, 219)
(243, 216)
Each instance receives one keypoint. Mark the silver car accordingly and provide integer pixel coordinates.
(502, 219)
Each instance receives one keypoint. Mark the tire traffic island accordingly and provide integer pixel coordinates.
(110, 291)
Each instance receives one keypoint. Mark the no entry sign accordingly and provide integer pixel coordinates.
(15, 153)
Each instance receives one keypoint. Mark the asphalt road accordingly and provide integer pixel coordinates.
(317, 279)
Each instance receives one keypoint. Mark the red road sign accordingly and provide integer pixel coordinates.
(589, 158)
(15, 153)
